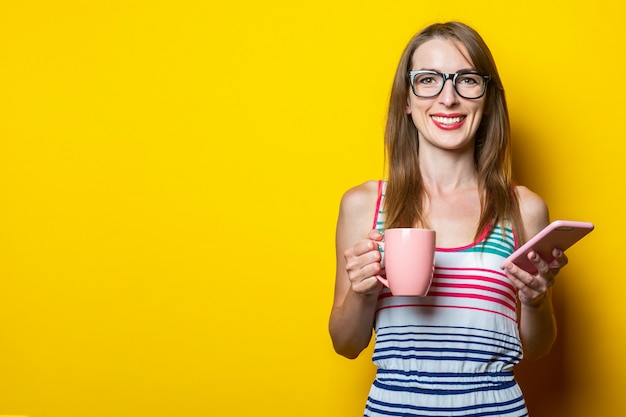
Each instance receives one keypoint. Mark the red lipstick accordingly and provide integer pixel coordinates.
(450, 121)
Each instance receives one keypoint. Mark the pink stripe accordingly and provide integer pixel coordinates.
(457, 295)
(431, 293)
(380, 194)
(442, 268)
(507, 284)
(474, 296)
(475, 287)
(382, 296)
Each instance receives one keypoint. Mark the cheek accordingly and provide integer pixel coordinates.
(419, 120)
(414, 106)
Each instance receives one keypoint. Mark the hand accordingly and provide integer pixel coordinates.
(531, 289)
(363, 264)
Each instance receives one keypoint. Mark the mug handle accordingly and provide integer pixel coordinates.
(381, 249)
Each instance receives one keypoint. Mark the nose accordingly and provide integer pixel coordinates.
(448, 95)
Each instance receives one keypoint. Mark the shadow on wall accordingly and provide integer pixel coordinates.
(544, 382)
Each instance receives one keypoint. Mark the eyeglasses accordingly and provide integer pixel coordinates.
(428, 84)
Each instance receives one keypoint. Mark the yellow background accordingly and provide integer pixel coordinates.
(170, 173)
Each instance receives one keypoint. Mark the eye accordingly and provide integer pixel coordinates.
(426, 80)
(468, 80)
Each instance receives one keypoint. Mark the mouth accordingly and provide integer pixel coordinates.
(448, 122)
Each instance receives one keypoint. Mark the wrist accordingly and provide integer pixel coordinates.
(542, 300)
(535, 304)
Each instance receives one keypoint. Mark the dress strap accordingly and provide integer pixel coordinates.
(379, 218)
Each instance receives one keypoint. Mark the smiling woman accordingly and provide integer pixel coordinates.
(451, 352)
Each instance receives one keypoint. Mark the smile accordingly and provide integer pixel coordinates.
(448, 122)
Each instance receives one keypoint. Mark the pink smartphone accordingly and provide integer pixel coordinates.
(560, 234)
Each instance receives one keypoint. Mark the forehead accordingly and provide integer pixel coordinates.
(445, 55)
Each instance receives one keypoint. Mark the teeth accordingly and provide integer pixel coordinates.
(447, 120)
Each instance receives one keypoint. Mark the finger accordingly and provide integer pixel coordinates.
(521, 279)
(365, 273)
(544, 278)
(375, 235)
(559, 261)
(361, 255)
(361, 247)
(369, 285)
(542, 266)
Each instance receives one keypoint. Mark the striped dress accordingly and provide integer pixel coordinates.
(452, 352)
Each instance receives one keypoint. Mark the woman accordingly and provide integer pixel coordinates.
(447, 139)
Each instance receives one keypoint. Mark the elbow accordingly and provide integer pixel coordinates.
(347, 351)
(537, 351)
(346, 345)
(533, 356)
(348, 340)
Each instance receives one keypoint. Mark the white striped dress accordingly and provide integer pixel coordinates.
(452, 352)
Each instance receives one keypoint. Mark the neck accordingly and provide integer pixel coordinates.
(448, 174)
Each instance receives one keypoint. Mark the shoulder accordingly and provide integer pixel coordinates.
(533, 210)
(358, 205)
(363, 196)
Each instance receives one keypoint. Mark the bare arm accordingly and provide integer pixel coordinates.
(358, 261)
(537, 321)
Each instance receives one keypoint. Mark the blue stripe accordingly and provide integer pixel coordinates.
(444, 378)
(471, 384)
(466, 332)
(439, 358)
(490, 354)
(468, 340)
(494, 375)
(464, 328)
(450, 349)
(417, 390)
(404, 410)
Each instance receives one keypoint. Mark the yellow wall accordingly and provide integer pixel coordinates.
(170, 173)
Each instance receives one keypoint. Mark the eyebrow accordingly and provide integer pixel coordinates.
(458, 71)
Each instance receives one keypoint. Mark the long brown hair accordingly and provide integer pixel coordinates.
(492, 153)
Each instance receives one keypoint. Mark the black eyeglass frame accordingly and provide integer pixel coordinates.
(446, 77)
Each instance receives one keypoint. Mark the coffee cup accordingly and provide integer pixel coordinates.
(407, 255)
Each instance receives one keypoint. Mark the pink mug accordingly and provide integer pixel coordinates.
(408, 254)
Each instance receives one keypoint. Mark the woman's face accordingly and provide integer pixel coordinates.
(447, 120)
